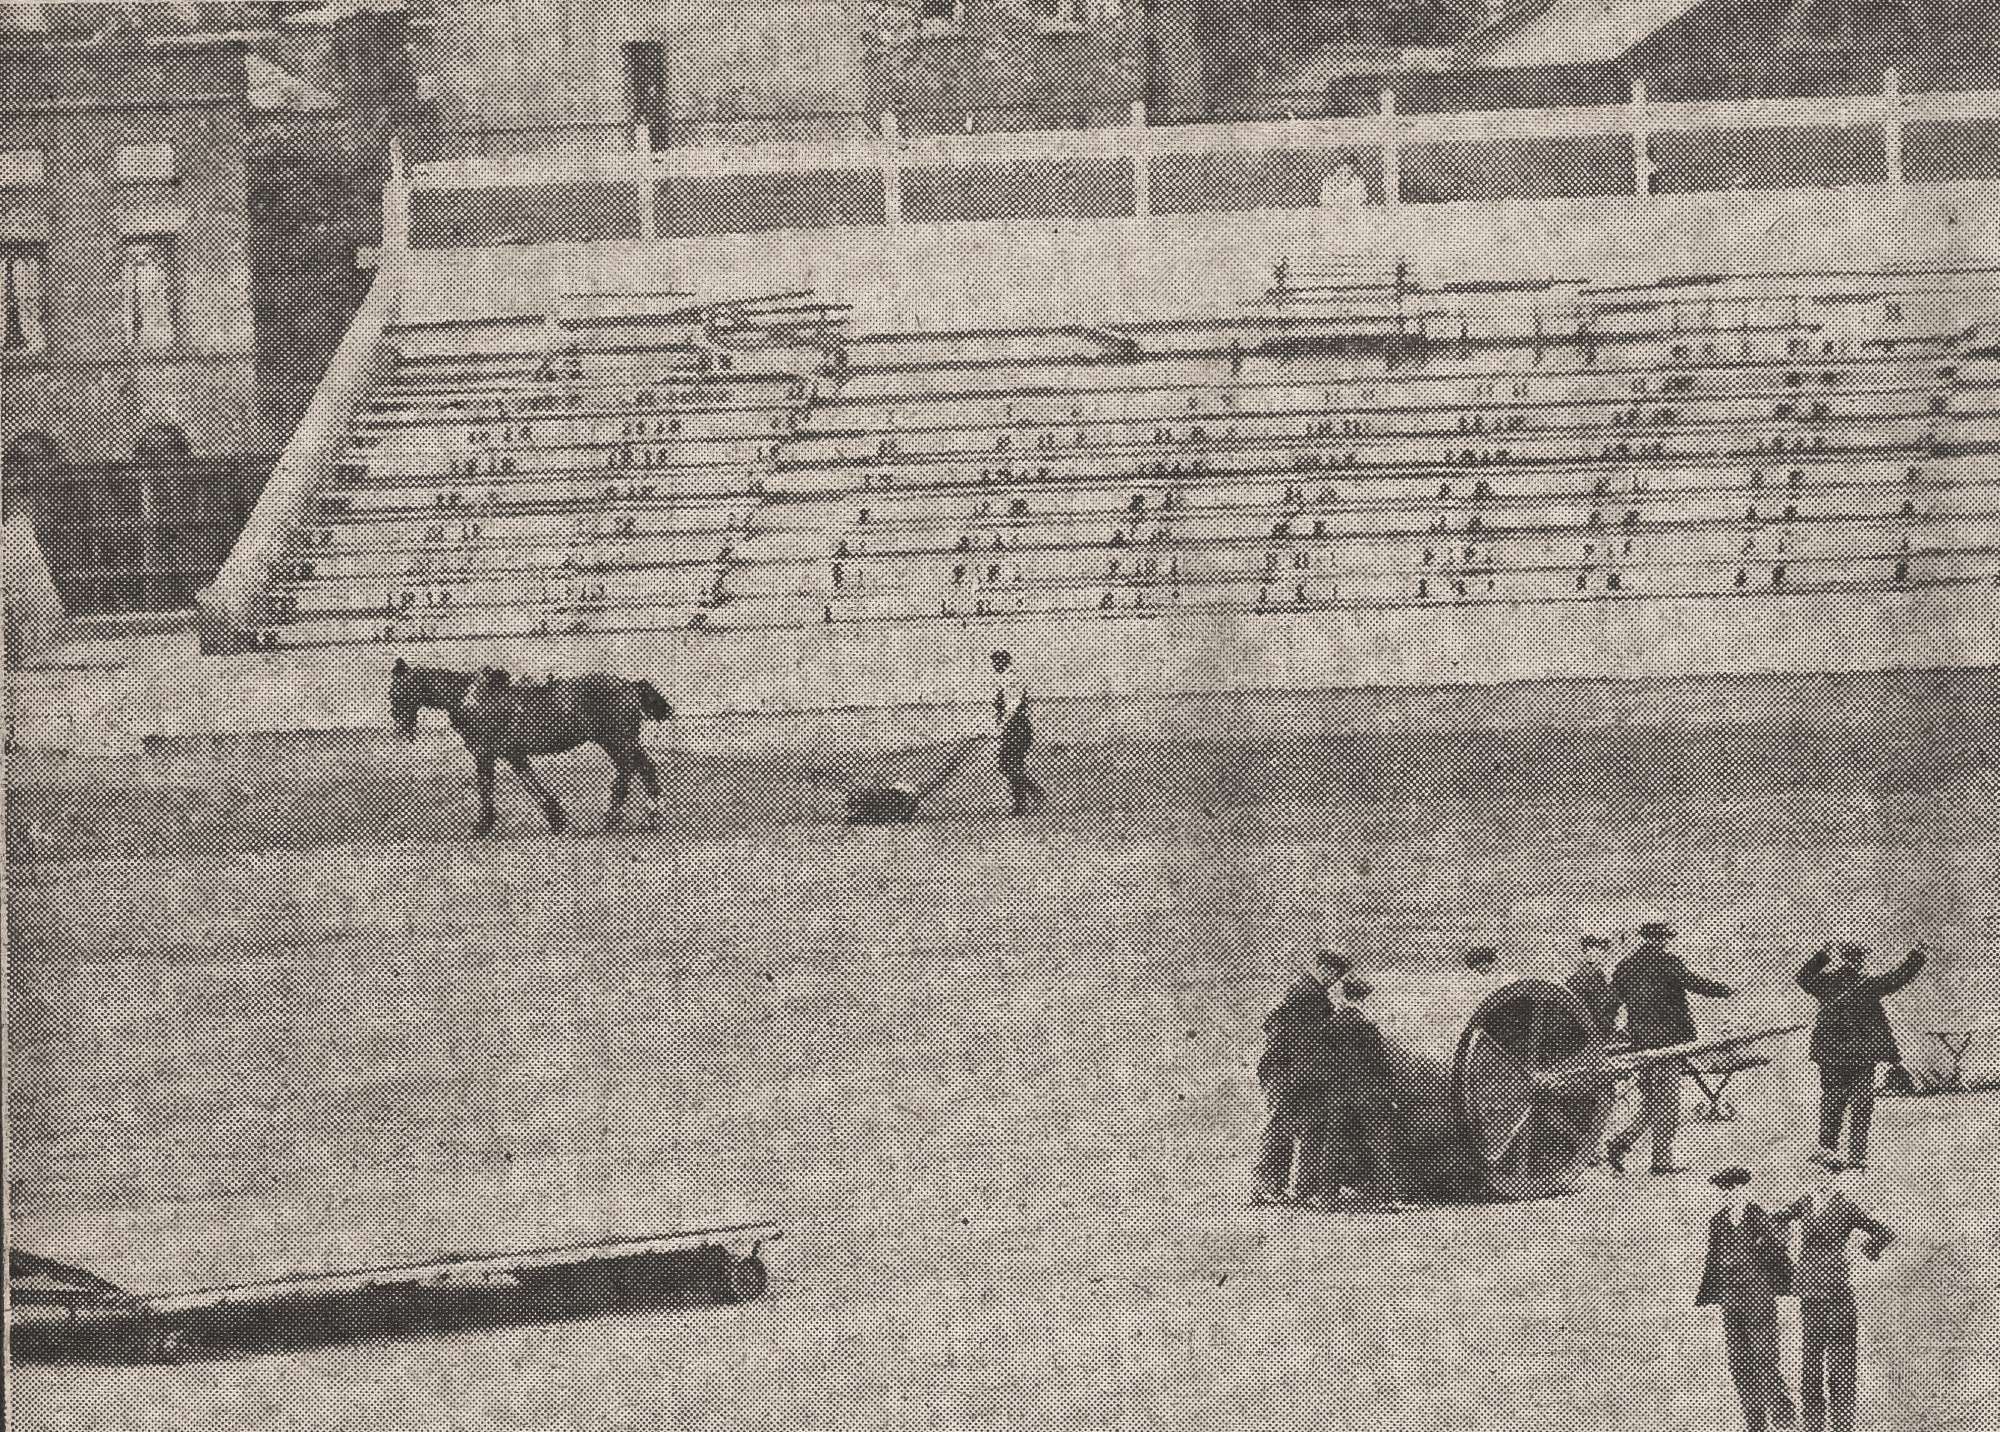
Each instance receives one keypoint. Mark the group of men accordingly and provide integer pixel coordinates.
(1851, 1037)
(1327, 1078)
(1750, 1267)
(1326, 1073)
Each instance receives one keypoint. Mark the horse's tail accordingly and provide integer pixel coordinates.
(652, 703)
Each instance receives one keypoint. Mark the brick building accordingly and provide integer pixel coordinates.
(538, 68)
(178, 223)
(786, 69)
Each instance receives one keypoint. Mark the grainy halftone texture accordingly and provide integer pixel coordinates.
(993, 1077)
(274, 1011)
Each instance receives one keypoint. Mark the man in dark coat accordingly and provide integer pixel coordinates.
(1747, 1272)
(1828, 1220)
(1361, 1108)
(1850, 1037)
(1651, 985)
(1294, 1074)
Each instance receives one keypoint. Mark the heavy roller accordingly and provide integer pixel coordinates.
(1506, 1085)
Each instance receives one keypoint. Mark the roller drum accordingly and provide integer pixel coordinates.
(1502, 1084)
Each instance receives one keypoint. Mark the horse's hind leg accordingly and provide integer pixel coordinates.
(483, 771)
(650, 775)
(550, 806)
(620, 788)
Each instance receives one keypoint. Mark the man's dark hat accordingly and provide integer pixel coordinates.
(1596, 942)
(1333, 965)
(1480, 957)
(1356, 989)
(1656, 930)
(1731, 1178)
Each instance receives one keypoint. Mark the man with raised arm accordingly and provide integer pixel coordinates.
(1851, 1038)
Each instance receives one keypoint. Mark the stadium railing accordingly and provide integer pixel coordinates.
(1134, 170)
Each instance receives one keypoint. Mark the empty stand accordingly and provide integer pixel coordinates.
(1346, 441)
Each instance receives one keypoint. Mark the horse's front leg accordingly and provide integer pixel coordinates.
(550, 806)
(650, 775)
(621, 788)
(483, 770)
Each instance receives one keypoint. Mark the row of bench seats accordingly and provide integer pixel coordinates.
(514, 479)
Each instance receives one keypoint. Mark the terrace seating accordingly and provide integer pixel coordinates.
(706, 469)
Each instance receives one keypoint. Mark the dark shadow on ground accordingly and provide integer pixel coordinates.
(308, 796)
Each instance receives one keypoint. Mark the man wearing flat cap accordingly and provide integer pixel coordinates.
(1362, 1115)
(1651, 986)
(1828, 1219)
(1748, 1270)
(1294, 1074)
(1851, 1037)
(1590, 983)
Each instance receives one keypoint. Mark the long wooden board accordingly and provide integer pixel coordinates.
(491, 1271)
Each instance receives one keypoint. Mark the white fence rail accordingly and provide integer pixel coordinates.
(1860, 139)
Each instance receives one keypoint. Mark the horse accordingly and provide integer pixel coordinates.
(500, 719)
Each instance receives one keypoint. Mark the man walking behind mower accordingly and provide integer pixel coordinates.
(1651, 985)
(1017, 734)
(1850, 1037)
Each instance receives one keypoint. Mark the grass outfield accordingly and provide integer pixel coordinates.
(993, 1077)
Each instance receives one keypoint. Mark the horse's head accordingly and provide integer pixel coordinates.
(406, 698)
(412, 688)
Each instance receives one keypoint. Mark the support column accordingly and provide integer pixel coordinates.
(1142, 167)
(1642, 142)
(892, 174)
(1392, 170)
(32, 608)
(150, 555)
(645, 189)
(1892, 125)
(396, 201)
